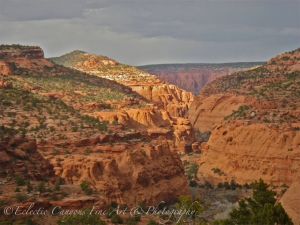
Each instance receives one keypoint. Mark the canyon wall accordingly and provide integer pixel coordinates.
(253, 117)
(194, 76)
(127, 174)
(85, 128)
(171, 98)
(291, 200)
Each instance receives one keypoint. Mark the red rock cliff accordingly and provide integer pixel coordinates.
(253, 117)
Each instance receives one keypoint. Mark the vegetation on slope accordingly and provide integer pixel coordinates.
(273, 90)
(42, 117)
(103, 66)
(261, 208)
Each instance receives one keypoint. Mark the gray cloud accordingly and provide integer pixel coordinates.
(155, 31)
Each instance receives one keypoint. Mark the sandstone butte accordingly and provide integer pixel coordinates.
(53, 120)
(253, 117)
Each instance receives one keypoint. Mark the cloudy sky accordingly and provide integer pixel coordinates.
(155, 31)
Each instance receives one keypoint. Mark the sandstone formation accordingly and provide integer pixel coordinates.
(291, 200)
(210, 111)
(136, 118)
(171, 98)
(5, 69)
(174, 100)
(127, 175)
(9, 52)
(86, 129)
(19, 157)
(253, 117)
(192, 76)
(165, 102)
(24, 57)
(154, 122)
(246, 152)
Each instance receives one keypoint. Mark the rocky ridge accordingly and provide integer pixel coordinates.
(253, 117)
(174, 100)
(66, 113)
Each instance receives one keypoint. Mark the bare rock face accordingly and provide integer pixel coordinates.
(291, 200)
(193, 77)
(19, 156)
(183, 131)
(135, 118)
(167, 96)
(165, 103)
(170, 97)
(253, 117)
(5, 69)
(247, 152)
(207, 112)
(16, 51)
(23, 57)
(155, 122)
(131, 176)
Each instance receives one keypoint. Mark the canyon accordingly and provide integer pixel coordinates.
(83, 129)
(167, 96)
(253, 117)
(194, 76)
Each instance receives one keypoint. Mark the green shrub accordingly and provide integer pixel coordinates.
(262, 208)
(218, 171)
(187, 203)
(152, 222)
(240, 113)
(2, 203)
(116, 219)
(85, 187)
(192, 171)
(29, 187)
(41, 187)
(20, 181)
(84, 219)
(193, 183)
(21, 197)
(133, 220)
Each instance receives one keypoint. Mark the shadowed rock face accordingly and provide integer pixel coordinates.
(254, 121)
(19, 157)
(193, 77)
